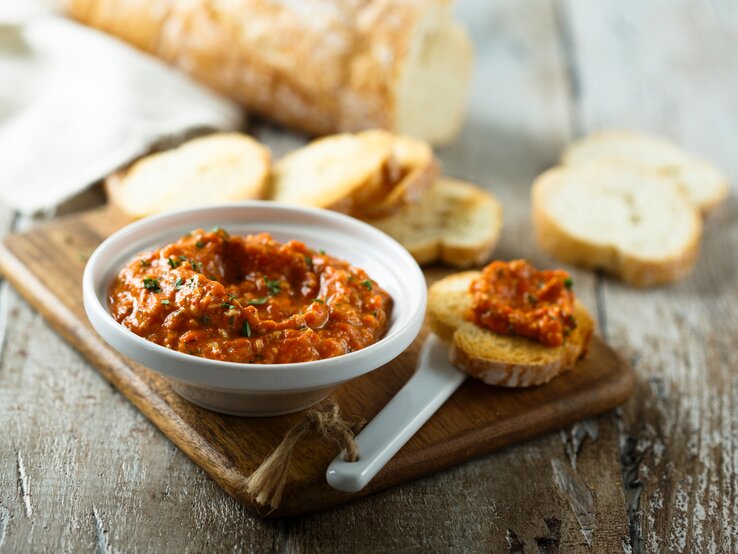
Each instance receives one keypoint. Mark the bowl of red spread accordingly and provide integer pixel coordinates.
(255, 308)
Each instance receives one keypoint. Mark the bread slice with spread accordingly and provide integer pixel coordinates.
(499, 355)
(456, 223)
(619, 218)
(215, 168)
(703, 184)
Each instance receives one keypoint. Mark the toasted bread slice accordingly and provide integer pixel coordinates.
(412, 170)
(702, 183)
(456, 223)
(368, 174)
(334, 172)
(499, 359)
(448, 302)
(620, 218)
(206, 170)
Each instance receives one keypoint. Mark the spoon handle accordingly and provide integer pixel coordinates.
(434, 381)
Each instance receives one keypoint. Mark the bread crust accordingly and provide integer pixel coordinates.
(555, 240)
(408, 174)
(529, 371)
(356, 165)
(320, 66)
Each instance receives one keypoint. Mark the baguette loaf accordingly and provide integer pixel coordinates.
(456, 223)
(322, 66)
(206, 170)
(703, 184)
(499, 359)
(619, 218)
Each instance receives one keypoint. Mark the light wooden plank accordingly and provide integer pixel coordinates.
(670, 67)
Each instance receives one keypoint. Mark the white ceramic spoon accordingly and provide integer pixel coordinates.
(435, 380)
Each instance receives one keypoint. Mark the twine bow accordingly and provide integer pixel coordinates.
(267, 483)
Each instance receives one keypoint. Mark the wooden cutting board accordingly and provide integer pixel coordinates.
(45, 265)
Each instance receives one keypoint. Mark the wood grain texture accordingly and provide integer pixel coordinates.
(518, 123)
(101, 478)
(41, 264)
(668, 67)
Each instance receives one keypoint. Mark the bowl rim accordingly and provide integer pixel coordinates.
(393, 343)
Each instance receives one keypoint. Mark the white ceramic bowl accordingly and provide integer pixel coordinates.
(260, 389)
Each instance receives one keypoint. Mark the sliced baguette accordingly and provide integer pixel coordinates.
(334, 172)
(412, 170)
(499, 359)
(701, 182)
(206, 170)
(364, 174)
(620, 218)
(456, 223)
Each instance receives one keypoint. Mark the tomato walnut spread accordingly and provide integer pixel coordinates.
(249, 299)
(514, 298)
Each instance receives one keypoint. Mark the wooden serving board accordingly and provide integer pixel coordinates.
(45, 265)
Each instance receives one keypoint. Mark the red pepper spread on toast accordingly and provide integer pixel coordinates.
(249, 299)
(514, 298)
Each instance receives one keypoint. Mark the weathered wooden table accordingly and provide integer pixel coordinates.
(82, 470)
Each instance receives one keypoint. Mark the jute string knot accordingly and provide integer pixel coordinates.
(267, 483)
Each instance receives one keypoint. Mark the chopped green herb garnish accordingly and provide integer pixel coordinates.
(173, 262)
(205, 319)
(318, 300)
(182, 258)
(568, 283)
(165, 302)
(227, 306)
(145, 263)
(309, 260)
(151, 284)
(178, 283)
(303, 327)
(199, 244)
(367, 284)
(257, 301)
(530, 298)
(246, 329)
(219, 231)
(374, 313)
(231, 295)
(274, 286)
(322, 251)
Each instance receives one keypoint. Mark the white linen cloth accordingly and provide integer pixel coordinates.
(75, 104)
